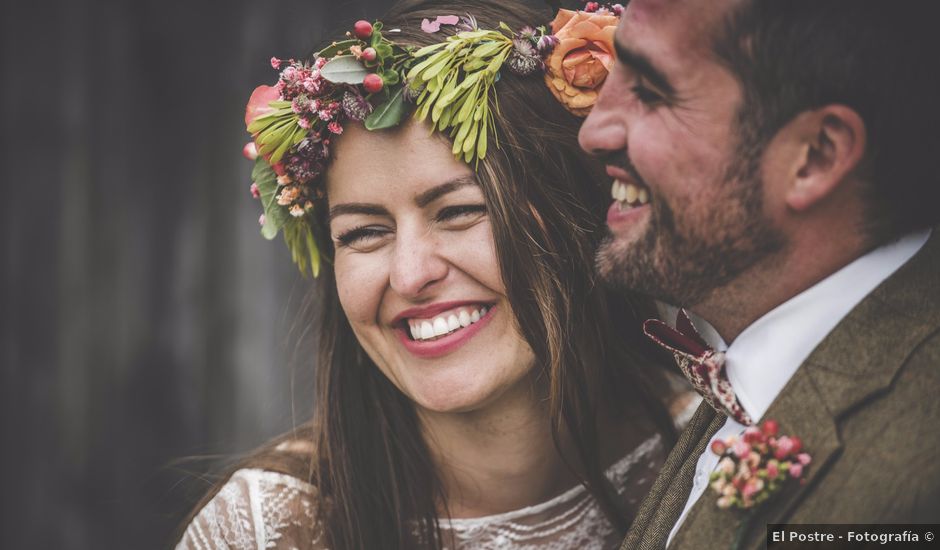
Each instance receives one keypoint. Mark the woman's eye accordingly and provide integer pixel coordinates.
(460, 211)
(360, 236)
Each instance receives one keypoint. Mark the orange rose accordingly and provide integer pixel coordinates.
(580, 61)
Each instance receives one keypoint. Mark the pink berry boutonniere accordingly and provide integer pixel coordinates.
(756, 465)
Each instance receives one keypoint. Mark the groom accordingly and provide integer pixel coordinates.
(790, 153)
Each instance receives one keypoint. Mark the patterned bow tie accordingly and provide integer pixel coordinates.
(702, 365)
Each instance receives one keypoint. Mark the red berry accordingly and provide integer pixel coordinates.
(362, 28)
(368, 54)
(770, 428)
(797, 444)
(719, 447)
(372, 83)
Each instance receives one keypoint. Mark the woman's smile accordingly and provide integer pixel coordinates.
(441, 328)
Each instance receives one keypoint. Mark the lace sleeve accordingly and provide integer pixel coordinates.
(256, 509)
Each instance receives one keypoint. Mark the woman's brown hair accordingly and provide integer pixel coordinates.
(371, 466)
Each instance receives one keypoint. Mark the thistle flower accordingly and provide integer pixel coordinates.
(527, 33)
(355, 106)
(547, 43)
(468, 23)
(523, 59)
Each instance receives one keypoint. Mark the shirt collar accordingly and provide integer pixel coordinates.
(763, 358)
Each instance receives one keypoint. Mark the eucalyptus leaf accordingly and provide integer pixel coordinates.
(389, 113)
(331, 50)
(344, 69)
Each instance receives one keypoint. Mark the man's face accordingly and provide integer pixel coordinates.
(665, 123)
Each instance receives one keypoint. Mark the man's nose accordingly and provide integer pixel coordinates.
(417, 263)
(604, 130)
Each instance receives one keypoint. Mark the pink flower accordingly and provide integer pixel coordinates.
(773, 469)
(275, 63)
(356, 50)
(255, 192)
(784, 447)
(796, 469)
(719, 447)
(335, 127)
(751, 487)
(804, 458)
(726, 465)
(433, 26)
(770, 428)
(753, 435)
(250, 151)
(741, 449)
(320, 62)
(261, 219)
(304, 123)
(259, 103)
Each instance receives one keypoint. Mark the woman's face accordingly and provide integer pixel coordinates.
(416, 269)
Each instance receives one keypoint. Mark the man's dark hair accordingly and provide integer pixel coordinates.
(876, 57)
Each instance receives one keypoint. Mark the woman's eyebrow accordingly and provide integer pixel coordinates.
(356, 208)
(427, 197)
(423, 199)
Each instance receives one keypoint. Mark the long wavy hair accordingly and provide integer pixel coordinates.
(545, 201)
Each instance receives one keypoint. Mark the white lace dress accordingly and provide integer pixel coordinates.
(259, 509)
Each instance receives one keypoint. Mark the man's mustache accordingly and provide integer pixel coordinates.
(621, 159)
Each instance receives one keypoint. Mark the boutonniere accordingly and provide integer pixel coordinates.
(755, 466)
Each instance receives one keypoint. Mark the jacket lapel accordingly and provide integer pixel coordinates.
(857, 361)
(667, 497)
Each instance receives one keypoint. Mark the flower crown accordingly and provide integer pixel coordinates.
(368, 78)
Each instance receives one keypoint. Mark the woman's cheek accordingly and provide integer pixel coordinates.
(359, 279)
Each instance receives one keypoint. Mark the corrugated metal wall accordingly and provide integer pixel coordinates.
(142, 316)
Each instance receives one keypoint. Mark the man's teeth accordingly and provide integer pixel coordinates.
(629, 194)
(427, 329)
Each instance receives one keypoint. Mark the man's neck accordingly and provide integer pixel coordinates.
(733, 307)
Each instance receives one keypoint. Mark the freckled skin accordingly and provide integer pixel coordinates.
(418, 260)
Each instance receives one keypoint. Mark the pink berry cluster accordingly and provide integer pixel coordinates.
(599, 7)
(755, 465)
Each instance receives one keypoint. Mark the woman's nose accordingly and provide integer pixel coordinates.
(417, 264)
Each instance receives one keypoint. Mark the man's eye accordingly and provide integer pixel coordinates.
(646, 95)
(360, 236)
(460, 211)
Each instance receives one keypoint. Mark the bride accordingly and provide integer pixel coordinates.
(476, 389)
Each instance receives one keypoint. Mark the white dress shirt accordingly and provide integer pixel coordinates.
(763, 358)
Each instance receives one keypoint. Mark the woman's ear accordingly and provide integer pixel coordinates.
(832, 144)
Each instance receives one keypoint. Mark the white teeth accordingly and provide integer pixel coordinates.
(445, 324)
(440, 327)
(631, 193)
(618, 190)
(644, 196)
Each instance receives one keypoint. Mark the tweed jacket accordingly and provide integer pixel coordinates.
(866, 404)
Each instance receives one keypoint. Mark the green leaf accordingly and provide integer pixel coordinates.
(383, 51)
(331, 50)
(376, 38)
(275, 215)
(344, 69)
(387, 114)
(487, 49)
(390, 78)
(428, 49)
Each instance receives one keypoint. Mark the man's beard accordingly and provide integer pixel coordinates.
(680, 261)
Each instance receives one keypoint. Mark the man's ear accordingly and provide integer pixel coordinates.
(833, 140)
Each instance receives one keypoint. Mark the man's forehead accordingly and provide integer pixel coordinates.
(686, 22)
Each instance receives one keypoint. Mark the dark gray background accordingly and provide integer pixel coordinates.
(142, 317)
